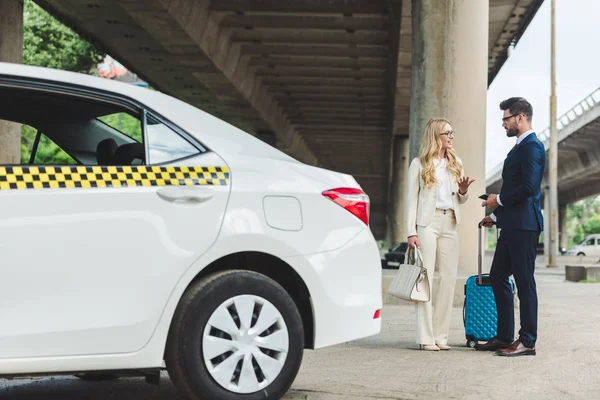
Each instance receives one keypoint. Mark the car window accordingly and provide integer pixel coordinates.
(124, 123)
(164, 144)
(590, 242)
(62, 128)
(38, 149)
(49, 153)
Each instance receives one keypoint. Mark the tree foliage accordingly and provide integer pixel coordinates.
(582, 219)
(49, 43)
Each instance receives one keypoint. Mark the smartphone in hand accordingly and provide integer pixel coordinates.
(484, 197)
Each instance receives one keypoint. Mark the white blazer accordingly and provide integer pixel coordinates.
(421, 201)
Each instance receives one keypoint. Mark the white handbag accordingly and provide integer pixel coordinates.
(411, 281)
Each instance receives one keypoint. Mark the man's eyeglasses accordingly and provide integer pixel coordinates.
(509, 117)
(449, 133)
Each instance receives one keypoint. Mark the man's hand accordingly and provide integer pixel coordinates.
(488, 222)
(414, 241)
(463, 185)
(492, 201)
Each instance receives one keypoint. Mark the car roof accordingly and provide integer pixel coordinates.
(216, 134)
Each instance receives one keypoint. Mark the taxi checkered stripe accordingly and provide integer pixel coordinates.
(54, 177)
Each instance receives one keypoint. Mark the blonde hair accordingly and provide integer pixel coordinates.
(432, 144)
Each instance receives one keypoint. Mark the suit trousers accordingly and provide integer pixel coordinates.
(515, 255)
(439, 247)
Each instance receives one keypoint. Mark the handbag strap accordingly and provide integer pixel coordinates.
(410, 259)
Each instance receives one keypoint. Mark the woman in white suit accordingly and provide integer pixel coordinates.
(437, 187)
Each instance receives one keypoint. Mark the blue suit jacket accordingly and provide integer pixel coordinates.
(521, 187)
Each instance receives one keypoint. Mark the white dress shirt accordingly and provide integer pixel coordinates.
(444, 197)
(519, 140)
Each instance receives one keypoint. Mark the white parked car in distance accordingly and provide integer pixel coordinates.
(590, 246)
(138, 233)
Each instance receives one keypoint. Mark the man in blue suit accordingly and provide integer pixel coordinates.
(518, 215)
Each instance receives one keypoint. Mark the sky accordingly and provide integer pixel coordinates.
(526, 72)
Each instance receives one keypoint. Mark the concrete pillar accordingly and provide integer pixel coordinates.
(449, 79)
(546, 213)
(397, 221)
(11, 50)
(562, 226)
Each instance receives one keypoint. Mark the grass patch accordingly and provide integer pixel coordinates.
(589, 281)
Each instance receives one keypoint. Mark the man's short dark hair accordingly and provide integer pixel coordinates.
(517, 105)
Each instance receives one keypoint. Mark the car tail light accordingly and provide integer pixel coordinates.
(354, 200)
(377, 314)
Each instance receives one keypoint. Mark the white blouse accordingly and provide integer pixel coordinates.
(444, 197)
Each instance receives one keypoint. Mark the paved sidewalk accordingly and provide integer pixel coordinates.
(388, 366)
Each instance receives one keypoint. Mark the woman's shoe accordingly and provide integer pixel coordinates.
(429, 347)
(444, 347)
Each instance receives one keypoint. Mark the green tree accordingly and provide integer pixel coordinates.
(582, 220)
(49, 43)
(592, 225)
(579, 234)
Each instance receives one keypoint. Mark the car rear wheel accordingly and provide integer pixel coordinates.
(235, 334)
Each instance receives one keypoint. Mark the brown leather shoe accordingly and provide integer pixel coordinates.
(516, 349)
(492, 345)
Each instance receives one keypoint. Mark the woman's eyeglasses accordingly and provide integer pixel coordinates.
(449, 133)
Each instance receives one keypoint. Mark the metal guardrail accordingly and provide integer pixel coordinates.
(585, 105)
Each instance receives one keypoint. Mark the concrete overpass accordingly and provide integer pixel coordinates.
(342, 84)
(326, 81)
(578, 157)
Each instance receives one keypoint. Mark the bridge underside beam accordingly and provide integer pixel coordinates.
(585, 188)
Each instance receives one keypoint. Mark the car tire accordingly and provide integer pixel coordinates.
(580, 254)
(201, 373)
(96, 377)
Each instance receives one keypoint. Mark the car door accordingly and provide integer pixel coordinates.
(596, 252)
(589, 246)
(91, 253)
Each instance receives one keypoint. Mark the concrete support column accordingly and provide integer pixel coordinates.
(397, 223)
(449, 79)
(562, 226)
(11, 50)
(547, 211)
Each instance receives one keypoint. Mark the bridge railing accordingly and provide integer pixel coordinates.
(580, 109)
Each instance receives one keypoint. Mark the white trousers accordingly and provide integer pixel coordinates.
(439, 247)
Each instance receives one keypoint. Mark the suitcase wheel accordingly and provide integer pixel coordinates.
(471, 342)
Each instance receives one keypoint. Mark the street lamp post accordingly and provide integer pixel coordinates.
(553, 161)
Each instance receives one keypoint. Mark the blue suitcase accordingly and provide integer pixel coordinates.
(479, 313)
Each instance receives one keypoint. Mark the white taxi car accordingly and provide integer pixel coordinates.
(138, 233)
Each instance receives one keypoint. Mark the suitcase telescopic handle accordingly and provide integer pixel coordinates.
(479, 260)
